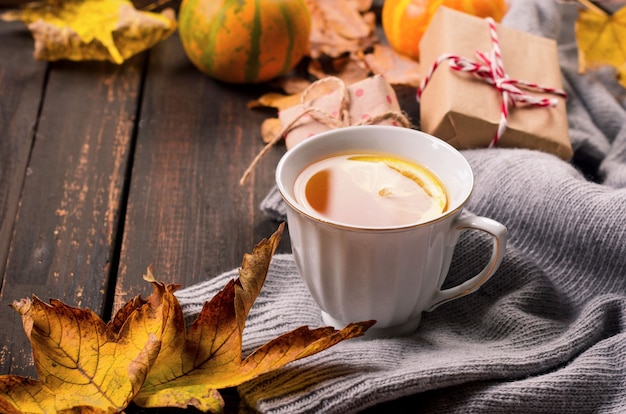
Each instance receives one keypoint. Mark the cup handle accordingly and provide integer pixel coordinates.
(499, 234)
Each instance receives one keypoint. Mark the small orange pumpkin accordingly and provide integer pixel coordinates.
(245, 41)
(405, 21)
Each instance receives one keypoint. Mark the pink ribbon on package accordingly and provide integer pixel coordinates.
(491, 70)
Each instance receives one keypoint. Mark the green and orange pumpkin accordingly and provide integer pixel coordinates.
(405, 21)
(245, 41)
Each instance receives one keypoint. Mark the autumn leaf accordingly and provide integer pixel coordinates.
(27, 395)
(270, 129)
(83, 362)
(339, 27)
(397, 69)
(275, 100)
(348, 68)
(22, 394)
(193, 364)
(602, 40)
(92, 29)
(145, 353)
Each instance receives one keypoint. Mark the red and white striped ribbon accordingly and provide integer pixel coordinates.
(490, 68)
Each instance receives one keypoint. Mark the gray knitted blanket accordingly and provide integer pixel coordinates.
(547, 334)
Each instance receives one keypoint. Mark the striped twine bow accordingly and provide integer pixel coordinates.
(491, 70)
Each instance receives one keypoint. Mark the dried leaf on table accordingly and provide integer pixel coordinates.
(349, 68)
(292, 84)
(602, 40)
(338, 27)
(209, 355)
(275, 100)
(397, 69)
(270, 129)
(146, 355)
(92, 29)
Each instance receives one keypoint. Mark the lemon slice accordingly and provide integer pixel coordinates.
(421, 176)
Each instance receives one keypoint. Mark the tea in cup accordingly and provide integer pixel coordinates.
(370, 189)
(374, 214)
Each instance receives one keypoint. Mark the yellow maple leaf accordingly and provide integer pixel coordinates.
(602, 40)
(145, 353)
(209, 356)
(92, 29)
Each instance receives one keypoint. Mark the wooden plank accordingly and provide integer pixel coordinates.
(21, 83)
(187, 214)
(65, 232)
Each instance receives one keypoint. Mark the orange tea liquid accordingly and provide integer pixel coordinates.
(370, 190)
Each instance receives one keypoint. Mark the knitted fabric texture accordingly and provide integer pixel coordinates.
(547, 334)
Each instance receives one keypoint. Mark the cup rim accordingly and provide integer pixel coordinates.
(312, 141)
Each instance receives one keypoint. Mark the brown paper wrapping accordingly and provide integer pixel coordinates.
(368, 98)
(465, 110)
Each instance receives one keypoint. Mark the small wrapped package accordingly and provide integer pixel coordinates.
(330, 103)
(370, 101)
(466, 106)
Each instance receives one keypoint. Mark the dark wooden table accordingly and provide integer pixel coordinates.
(107, 169)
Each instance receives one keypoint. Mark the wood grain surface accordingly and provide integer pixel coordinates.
(106, 169)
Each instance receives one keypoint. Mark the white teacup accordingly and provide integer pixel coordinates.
(388, 274)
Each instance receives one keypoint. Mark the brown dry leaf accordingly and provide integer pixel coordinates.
(339, 27)
(275, 100)
(602, 41)
(92, 29)
(397, 69)
(292, 84)
(193, 364)
(270, 129)
(349, 69)
(281, 101)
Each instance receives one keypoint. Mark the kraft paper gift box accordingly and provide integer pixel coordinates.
(371, 100)
(465, 111)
